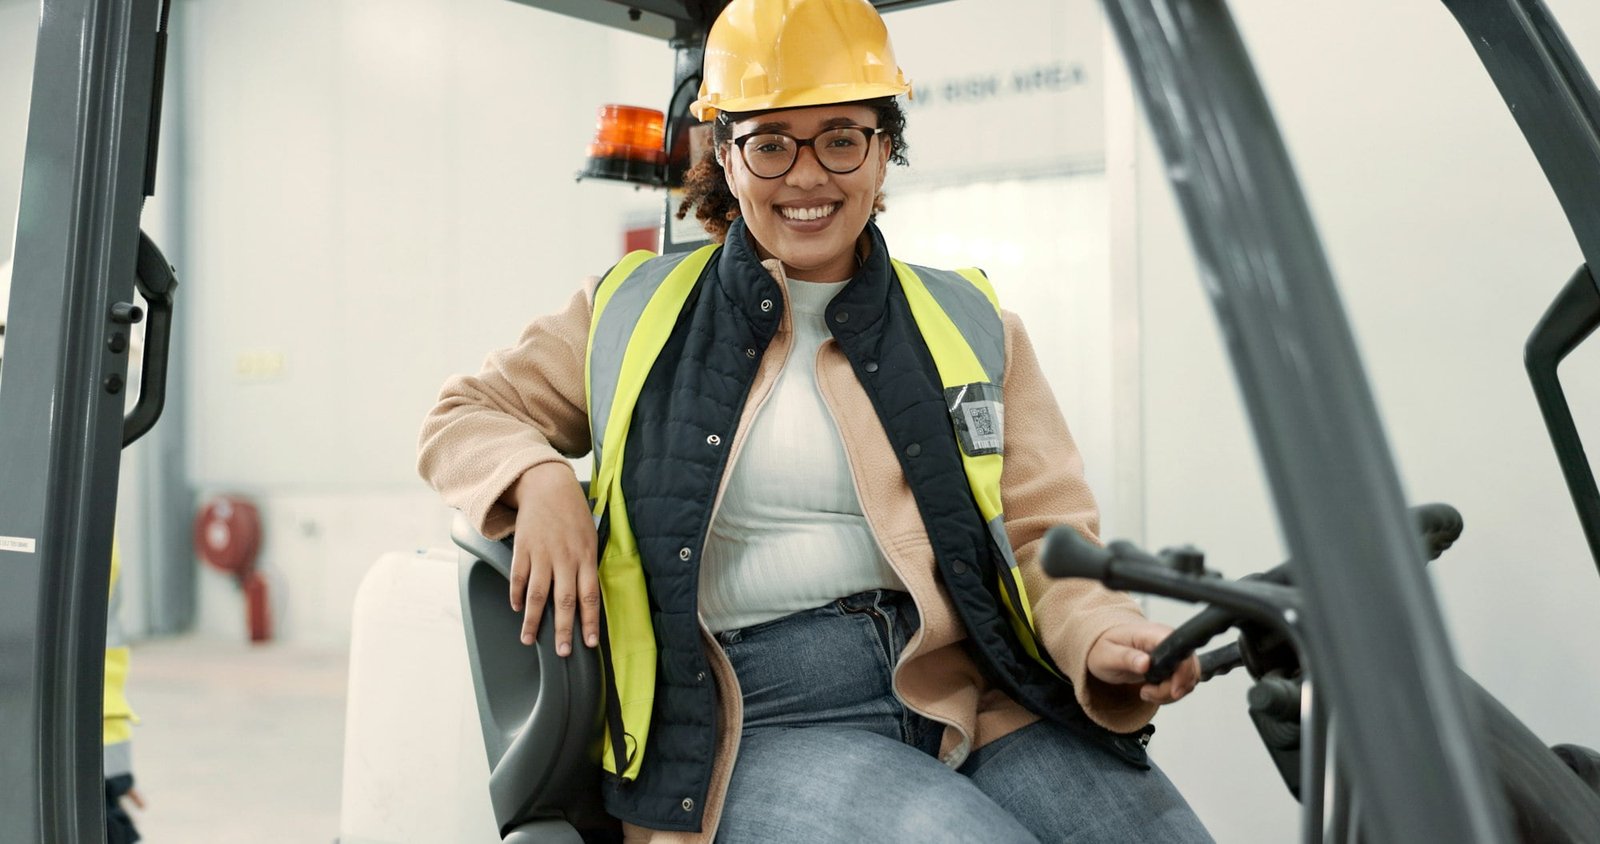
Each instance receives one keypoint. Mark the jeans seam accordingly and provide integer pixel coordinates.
(887, 629)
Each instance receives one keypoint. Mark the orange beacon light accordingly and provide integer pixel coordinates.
(629, 145)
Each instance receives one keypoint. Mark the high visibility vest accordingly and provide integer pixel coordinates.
(117, 717)
(636, 307)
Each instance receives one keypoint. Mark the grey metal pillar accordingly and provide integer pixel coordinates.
(1376, 640)
(61, 406)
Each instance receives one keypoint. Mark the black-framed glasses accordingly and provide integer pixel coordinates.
(840, 150)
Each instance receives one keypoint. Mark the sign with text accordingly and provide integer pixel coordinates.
(1002, 88)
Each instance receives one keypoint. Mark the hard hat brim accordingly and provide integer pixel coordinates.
(706, 108)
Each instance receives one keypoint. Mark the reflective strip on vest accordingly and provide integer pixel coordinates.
(636, 307)
(608, 342)
(959, 317)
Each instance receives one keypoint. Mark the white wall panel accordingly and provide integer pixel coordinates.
(381, 193)
(19, 30)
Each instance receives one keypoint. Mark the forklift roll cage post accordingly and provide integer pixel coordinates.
(1419, 768)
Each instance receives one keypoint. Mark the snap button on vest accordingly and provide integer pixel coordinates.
(959, 567)
(750, 353)
(713, 440)
(871, 367)
(841, 316)
(683, 553)
(766, 305)
(913, 450)
(688, 804)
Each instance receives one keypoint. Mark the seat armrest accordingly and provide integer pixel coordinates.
(495, 552)
(541, 713)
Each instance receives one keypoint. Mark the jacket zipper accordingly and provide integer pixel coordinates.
(956, 757)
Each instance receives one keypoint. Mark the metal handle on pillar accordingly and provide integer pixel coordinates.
(156, 282)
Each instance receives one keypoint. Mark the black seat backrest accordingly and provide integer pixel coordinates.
(540, 712)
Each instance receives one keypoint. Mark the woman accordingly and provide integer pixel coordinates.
(823, 616)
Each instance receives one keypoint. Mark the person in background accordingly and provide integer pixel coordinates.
(118, 721)
(118, 718)
(822, 481)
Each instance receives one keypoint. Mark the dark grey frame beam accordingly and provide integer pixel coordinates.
(1550, 95)
(1378, 649)
(669, 20)
(61, 406)
(648, 22)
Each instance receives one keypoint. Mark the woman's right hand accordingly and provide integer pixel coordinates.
(554, 555)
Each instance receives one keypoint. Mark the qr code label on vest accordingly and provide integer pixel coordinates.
(978, 412)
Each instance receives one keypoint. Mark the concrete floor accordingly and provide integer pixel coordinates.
(237, 744)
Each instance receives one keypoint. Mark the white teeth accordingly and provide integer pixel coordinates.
(808, 213)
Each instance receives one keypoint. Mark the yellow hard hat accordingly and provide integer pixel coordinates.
(770, 54)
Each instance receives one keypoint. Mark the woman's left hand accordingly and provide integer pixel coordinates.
(1121, 656)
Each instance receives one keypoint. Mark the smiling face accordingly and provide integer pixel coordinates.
(808, 218)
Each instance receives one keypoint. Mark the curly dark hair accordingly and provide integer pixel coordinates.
(705, 185)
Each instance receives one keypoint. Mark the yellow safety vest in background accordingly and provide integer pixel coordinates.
(117, 728)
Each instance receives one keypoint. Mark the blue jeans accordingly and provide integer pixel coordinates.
(829, 754)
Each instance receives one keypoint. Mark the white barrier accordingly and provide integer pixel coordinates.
(415, 769)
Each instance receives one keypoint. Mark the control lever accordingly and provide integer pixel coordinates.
(1124, 566)
(1439, 525)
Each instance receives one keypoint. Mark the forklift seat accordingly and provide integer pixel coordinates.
(541, 713)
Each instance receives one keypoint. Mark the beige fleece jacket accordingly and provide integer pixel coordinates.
(526, 407)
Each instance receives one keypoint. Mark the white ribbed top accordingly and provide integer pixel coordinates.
(790, 534)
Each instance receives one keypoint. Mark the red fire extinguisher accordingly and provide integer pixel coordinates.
(227, 536)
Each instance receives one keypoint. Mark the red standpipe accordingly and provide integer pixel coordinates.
(227, 536)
